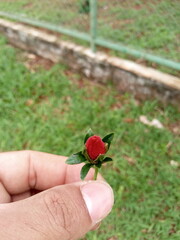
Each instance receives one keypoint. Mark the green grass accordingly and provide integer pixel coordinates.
(51, 110)
(149, 25)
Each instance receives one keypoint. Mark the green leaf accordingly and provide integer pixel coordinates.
(108, 139)
(76, 158)
(85, 169)
(107, 159)
(88, 135)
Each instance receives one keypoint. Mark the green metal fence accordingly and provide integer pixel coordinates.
(143, 29)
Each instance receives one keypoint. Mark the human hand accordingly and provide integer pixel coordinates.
(42, 198)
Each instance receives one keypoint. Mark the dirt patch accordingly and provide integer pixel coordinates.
(34, 62)
(28, 5)
(175, 128)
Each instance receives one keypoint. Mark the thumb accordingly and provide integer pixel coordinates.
(65, 212)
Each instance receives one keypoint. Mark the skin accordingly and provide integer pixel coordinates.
(39, 197)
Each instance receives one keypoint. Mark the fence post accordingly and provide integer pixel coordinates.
(93, 23)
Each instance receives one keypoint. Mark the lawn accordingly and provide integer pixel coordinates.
(149, 25)
(49, 108)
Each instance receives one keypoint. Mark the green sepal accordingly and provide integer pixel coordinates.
(88, 135)
(99, 158)
(76, 158)
(99, 164)
(108, 139)
(84, 152)
(85, 169)
(107, 159)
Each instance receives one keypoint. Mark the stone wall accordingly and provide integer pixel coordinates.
(126, 75)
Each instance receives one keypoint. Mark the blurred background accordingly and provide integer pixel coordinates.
(46, 107)
(144, 31)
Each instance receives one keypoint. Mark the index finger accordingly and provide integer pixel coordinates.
(21, 171)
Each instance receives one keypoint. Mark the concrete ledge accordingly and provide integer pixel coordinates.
(127, 76)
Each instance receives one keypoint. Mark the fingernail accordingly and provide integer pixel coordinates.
(99, 199)
(96, 226)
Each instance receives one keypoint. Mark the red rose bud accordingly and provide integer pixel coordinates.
(95, 146)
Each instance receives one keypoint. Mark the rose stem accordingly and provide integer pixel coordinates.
(95, 173)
